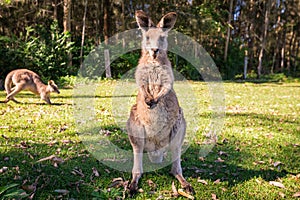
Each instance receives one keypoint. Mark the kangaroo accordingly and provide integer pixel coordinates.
(24, 79)
(156, 122)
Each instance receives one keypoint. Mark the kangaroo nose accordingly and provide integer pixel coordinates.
(155, 51)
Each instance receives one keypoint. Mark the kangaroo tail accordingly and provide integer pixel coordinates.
(8, 82)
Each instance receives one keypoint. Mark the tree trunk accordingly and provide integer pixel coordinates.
(228, 30)
(83, 32)
(67, 16)
(245, 64)
(282, 61)
(263, 38)
(106, 36)
(67, 23)
(54, 4)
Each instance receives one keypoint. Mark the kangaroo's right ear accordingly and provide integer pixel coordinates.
(143, 20)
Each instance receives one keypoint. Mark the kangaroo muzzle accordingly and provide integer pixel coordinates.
(154, 52)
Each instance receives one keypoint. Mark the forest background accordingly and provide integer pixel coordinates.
(247, 39)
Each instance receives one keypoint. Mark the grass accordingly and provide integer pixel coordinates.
(257, 155)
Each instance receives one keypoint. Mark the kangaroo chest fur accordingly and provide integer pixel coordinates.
(159, 120)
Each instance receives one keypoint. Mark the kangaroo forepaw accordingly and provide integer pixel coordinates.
(151, 103)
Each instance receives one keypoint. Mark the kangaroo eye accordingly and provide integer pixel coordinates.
(147, 37)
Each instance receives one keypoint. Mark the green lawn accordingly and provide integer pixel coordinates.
(257, 155)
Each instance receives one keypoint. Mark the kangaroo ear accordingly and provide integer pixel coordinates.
(143, 21)
(167, 22)
(50, 82)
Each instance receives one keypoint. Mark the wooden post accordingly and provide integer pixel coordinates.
(107, 63)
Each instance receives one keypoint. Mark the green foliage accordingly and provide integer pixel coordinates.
(3, 2)
(67, 81)
(11, 191)
(48, 51)
(11, 56)
(124, 64)
(112, 193)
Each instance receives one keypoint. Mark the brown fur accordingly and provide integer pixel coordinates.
(156, 121)
(24, 79)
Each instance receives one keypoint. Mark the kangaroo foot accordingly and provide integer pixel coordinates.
(189, 189)
(132, 189)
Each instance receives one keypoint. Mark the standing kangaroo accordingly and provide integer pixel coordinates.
(156, 121)
(24, 79)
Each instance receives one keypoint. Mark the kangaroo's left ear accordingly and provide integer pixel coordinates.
(167, 22)
(51, 82)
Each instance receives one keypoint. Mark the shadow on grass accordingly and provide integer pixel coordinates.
(234, 169)
(40, 104)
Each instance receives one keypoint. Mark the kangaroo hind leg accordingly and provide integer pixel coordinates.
(136, 134)
(13, 93)
(178, 133)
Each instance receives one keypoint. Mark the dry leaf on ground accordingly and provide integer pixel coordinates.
(297, 194)
(214, 196)
(204, 182)
(174, 190)
(277, 184)
(183, 193)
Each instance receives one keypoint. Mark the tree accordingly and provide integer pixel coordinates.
(263, 37)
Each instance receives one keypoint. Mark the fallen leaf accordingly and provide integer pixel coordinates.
(62, 191)
(78, 172)
(219, 160)
(297, 194)
(95, 172)
(117, 182)
(214, 196)
(277, 184)
(151, 183)
(5, 137)
(258, 181)
(3, 169)
(55, 160)
(204, 182)
(141, 190)
(174, 190)
(281, 194)
(182, 193)
(222, 153)
(29, 188)
(258, 162)
(217, 181)
(160, 197)
(202, 159)
(277, 163)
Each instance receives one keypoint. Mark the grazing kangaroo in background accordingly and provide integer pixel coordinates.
(156, 121)
(24, 79)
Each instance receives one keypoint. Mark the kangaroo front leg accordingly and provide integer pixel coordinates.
(164, 90)
(47, 99)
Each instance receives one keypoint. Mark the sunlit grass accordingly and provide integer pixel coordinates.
(260, 142)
